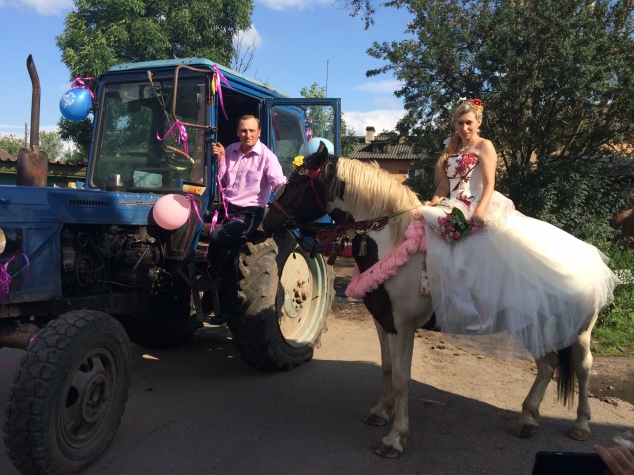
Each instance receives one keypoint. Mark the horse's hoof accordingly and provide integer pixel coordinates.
(374, 420)
(579, 434)
(387, 452)
(526, 430)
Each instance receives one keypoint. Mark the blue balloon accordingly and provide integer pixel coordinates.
(76, 104)
(313, 146)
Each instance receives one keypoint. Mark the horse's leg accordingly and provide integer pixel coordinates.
(528, 423)
(401, 347)
(381, 413)
(583, 365)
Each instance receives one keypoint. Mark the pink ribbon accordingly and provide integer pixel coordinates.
(85, 83)
(5, 278)
(177, 129)
(192, 200)
(220, 78)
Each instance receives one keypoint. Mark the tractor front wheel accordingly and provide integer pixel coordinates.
(69, 395)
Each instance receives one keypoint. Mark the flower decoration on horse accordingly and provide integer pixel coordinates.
(298, 162)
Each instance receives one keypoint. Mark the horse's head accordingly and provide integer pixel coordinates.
(303, 198)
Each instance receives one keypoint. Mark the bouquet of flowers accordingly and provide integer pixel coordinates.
(454, 226)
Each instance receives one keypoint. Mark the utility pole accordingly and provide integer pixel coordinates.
(327, 61)
(26, 128)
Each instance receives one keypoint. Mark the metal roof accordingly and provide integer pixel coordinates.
(6, 157)
(172, 63)
(398, 151)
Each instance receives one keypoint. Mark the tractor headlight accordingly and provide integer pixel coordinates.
(10, 240)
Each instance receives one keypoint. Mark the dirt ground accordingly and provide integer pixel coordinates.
(199, 408)
(612, 376)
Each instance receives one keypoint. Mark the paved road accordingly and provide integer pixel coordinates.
(199, 409)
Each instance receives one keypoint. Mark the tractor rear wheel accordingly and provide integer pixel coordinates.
(286, 298)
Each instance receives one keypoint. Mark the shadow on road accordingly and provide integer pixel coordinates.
(200, 409)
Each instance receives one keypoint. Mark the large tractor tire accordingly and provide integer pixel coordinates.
(69, 395)
(286, 299)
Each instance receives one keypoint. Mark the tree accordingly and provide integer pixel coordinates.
(244, 52)
(555, 77)
(322, 120)
(11, 144)
(101, 33)
(50, 142)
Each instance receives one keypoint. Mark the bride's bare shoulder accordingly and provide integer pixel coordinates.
(485, 145)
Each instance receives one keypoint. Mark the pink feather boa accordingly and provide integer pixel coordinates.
(415, 240)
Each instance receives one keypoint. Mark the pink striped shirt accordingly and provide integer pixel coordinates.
(249, 178)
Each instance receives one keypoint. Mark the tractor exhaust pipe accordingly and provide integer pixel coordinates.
(35, 105)
(17, 336)
(32, 166)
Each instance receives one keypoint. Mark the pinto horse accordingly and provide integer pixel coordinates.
(350, 190)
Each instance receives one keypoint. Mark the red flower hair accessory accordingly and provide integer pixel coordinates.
(476, 102)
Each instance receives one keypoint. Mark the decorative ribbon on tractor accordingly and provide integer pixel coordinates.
(177, 129)
(84, 83)
(216, 83)
(5, 277)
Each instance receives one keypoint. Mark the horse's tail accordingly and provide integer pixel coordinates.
(566, 377)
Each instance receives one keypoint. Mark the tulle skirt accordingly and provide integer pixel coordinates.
(521, 276)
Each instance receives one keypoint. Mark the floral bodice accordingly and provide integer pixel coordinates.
(465, 183)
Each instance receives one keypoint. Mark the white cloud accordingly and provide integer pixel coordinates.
(249, 37)
(42, 7)
(383, 119)
(389, 101)
(387, 86)
(298, 4)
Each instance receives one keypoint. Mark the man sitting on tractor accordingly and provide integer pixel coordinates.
(248, 172)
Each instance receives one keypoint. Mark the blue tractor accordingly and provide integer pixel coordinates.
(84, 270)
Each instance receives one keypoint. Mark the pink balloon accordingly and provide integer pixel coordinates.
(171, 211)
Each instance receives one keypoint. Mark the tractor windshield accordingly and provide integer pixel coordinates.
(138, 141)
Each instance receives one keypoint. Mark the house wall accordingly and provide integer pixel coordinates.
(59, 174)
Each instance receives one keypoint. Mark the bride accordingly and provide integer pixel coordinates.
(511, 273)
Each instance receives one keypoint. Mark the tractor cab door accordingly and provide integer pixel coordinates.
(293, 127)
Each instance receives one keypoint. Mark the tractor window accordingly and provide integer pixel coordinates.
(298, 130)
(132, 123)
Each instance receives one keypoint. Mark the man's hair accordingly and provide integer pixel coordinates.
(247, 117)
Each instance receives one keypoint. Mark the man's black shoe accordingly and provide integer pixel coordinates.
(221, 318)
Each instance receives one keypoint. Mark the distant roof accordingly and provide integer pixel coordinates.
(6, 157)
(383, 148)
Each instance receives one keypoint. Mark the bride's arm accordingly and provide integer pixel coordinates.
(442, 190)
(488, 161)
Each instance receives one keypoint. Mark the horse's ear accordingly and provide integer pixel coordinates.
(322, 153)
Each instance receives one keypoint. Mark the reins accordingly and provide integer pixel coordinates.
(334, 236)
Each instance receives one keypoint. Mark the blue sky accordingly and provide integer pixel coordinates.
(295, 40)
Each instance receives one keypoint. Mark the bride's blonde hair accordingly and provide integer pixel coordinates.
(473, 105)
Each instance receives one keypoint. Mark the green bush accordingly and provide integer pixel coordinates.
(615, 325)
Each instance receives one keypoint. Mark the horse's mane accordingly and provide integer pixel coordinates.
(370, 190)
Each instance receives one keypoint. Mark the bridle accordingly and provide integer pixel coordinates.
(312, 175)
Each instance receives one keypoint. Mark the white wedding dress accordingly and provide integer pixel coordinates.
(516, 274)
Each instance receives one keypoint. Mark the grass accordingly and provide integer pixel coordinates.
(615, 326)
